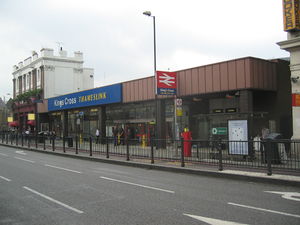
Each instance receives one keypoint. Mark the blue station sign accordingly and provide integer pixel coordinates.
(98, 96)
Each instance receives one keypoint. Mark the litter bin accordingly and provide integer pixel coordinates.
(70, 141)
(274, 150)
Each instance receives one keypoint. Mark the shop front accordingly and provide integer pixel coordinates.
(83, 112)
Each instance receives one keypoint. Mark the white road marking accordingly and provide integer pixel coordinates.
(3, 154)
(213, 221)
(61, 168)
(25, 160)
(139, 185)
(21, 152)
(53, 200)
(295, 196)
(4, 178)
(265, 210)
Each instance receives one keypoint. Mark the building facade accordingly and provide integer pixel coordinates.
(250, 89)
(44, 76)
(291, 18)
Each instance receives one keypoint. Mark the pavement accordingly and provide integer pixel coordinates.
(248, 174)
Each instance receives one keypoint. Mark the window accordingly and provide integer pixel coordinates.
(24, 83)
(17, 86)
(38, 83)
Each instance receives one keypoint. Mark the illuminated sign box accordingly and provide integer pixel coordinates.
(31, 116)
(218, 110)
(291, 17)
(166, 83)
(98, 96)
(296, 100)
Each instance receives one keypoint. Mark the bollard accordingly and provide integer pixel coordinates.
(53, 143)
(36, 141)
(107, 148)
(64, 144)
(22, 140)
(44, 142)
(28, 139)
(268, 156)
(91, 150)
(76, 144)
(17, 139)
(182, 152)
(127, 150)
(220, 156)
(152, 151)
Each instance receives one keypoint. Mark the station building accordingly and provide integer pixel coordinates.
(251, 89)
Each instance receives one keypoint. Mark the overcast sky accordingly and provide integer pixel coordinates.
(117, 39)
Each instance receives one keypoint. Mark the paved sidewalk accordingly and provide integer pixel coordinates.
(248, 174)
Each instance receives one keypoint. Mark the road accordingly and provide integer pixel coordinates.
(37, 188)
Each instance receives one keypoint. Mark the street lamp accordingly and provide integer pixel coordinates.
(148, 13)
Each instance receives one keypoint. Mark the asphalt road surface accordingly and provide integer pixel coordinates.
(37, 188)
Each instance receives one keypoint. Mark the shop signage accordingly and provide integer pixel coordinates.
(31, 116)
(219, 130)
(10, 119)
(291, 17)
(166, 83)
(98, 96)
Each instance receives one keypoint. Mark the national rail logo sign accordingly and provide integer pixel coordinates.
(166, 83)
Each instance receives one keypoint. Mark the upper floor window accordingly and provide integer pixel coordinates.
(24, 83)
(17, 86)
(28, 81)
(38, 78)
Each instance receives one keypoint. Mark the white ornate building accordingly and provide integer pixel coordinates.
(55, 75)
(291, 20)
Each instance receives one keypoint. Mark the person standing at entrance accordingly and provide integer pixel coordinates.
(115, 135)
(97, 135)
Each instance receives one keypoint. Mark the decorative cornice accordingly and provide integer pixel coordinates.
(291, 43)
(54, 58)
(49, 68)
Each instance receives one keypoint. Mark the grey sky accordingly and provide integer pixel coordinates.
(117, 40)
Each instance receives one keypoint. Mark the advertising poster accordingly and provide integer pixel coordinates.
(238, 137)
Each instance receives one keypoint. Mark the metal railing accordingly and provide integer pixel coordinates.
(268, 155)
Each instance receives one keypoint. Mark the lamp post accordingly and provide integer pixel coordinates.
(148, 13)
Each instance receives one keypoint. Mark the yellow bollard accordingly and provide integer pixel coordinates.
(143, 140)
(80, 138)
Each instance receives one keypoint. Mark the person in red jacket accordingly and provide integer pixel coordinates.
(187, 142)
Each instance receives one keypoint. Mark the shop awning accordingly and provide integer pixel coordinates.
(13, 124)
(31, 122)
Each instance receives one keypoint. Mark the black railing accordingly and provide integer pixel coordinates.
(269, 155)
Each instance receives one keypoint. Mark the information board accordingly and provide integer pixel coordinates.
(238, 137)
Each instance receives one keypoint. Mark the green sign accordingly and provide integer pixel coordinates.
(219, 130)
